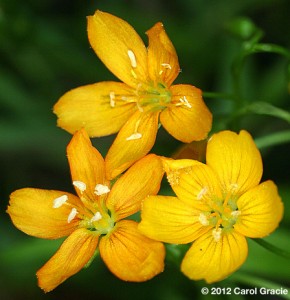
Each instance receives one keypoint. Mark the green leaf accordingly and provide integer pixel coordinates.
(277, 138)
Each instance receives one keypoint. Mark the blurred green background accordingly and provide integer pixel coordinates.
(44, 52)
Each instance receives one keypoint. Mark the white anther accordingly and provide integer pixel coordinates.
(134, 136)
(96, 217)
(101, 189)
(72, 215)
(202, 193)
(59, 201)
(234, 186)
(112, 99)
(235, 213)
(217, 233)
(203, 219)
(132, 58)
(166, 66)
(80, 185)
(184, 101)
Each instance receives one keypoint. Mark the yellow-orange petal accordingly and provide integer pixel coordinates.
(98, 108)
(170, 220)
(187, 118)
(162, 58)
(213, 261)
(236, 160)
(31, 211)
(135, 140)
(261, 210)
(70, 258)
(119, 47)
(86, 164)
(141, 180)
(131, 256)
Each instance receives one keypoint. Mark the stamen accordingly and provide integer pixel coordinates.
(80, 185)
(132, 58)
(96, 217)
(166, 66)
(202, 193)
(72, 215)
(203, 219)
(235, 213)
(59, 201)
(134, 136)
(184, 101)
(101, 189)
(234, 186)
(112, 99)
(133, 74)
(216, 233)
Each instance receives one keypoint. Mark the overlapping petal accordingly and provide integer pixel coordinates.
(98, 108)
(162, 58)
(213, 261)
(31, 211)
(170, 220)
(236, 160)
(142, 179)
(187, 118)
(119, 47)
(71, 257)
(130, 255)
(135, 140)
(86, 164)
(261, 210)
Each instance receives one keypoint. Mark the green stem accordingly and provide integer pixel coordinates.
(217, 95)
(276, 138)
(272, 248)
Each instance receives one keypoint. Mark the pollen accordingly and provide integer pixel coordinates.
(80, 185)
(217, 233)
(185, 102)
(72, 214)
(132, 58)
(202, 193)
(59, 201)
(236, 213)
(101, 189)
(203, 219)
(134, 136)
(96, 217)
(112, 99)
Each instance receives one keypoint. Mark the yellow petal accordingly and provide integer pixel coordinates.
(70, 258)
(261, 210)
(187, 118)
(131, 256)
(31, 211)
(119, 47)
(86, 164)
(169, 220)
(213, 261)
(141, 180)
(236, 160)
(162, 58)
(100, 108)
(135, 140)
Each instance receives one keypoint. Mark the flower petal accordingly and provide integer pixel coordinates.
(135, 140)
(86, 164)
(31, 211)
(70, 258)
(169, 220)
(131, 256)
(235, 159)
(187, 118)
(162, 58)
(141, 180)
(261, 210)
(99, 108)
(213, 261)
(119, 47)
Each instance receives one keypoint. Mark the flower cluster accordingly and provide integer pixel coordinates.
(217, 205)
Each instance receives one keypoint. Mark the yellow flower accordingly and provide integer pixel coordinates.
(94, 218)
(218, 205)
(143, 98)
